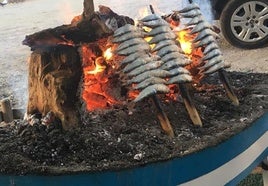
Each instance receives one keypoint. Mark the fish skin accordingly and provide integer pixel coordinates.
(135, 48)
(151, 73)
(210, 47)
(146, 67)
(183, 78)
(203, 34)
(178, 71)
(162, 37)
(128, 36)
(151, 90)
(211, 62)
(130, 43)
(212, 54)
(190, 7)
(150, 81)
(175, 63)
(134, 56)
(136, 63)
(205, 41)
(162, 44)
(172, 55)
(155, 23)
(160, 30)
(150, 17)
(200, 27)
(191, 14)
(195, 21)
(124, 29)
(168, 49)
(214, 68)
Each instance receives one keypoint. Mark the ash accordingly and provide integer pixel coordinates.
(114, 139)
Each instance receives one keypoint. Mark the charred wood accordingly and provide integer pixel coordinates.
(88, 8)
(83, 29)
(53, 80)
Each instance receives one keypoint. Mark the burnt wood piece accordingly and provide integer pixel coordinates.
(88, 8)
(113, 20)
(84, 29)
(54, 75)
(6, 110)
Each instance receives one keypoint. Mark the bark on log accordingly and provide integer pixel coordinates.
(54, 76)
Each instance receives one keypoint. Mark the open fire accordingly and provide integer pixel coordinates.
(174, 61)
(98, 68)
(100, 64)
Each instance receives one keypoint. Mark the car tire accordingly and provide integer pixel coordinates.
(242, 26)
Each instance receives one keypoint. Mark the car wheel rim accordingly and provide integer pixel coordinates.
(249, 22)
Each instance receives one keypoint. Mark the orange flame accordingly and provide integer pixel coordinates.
(97, 83)
(194, 54)
(185, 41)
(99, 67)
(108, 54)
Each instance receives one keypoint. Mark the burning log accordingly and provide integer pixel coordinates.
(84, 29)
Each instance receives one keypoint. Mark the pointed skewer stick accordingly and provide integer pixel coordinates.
(187, 99)
(189, 104)
(152, 9)
(228, 88)
(164, 121)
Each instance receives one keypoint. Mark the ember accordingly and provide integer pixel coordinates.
(97, 73)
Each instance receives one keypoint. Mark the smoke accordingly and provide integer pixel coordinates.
(67, 10)
(19, 86)
(132, 8)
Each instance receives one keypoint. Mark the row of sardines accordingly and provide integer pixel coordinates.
(153, 65)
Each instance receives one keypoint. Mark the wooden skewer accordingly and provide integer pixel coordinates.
(152, 9)
(189, 104)
(164, 121)
(227, 85)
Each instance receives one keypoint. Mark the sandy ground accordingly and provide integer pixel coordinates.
(245, 60)
(37, 15)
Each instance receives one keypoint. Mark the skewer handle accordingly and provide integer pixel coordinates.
(165, 124)
(189, 104)
(228, 87)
